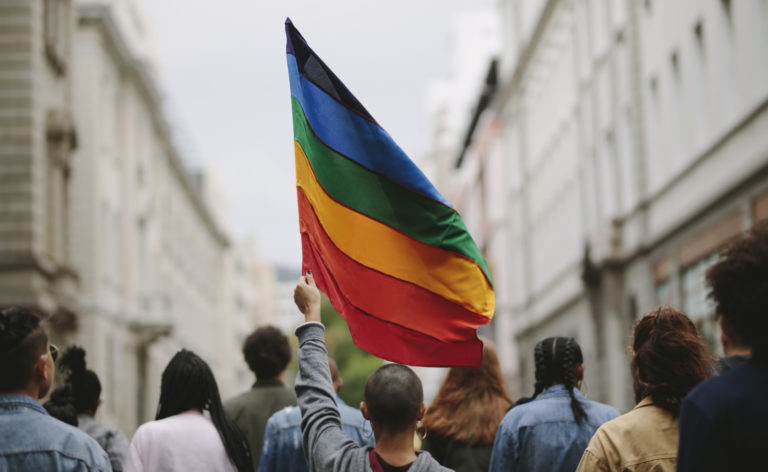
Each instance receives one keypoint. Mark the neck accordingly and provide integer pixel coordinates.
(737, 351)
(396, 449)
(30, 391)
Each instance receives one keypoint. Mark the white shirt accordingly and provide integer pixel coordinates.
(187, 441)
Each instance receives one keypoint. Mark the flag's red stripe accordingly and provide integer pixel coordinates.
(386, 340)
(386, 297)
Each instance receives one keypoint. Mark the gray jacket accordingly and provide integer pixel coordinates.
(326, 447)
(112, 440)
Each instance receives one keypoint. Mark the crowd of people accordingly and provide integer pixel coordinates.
(692, 413)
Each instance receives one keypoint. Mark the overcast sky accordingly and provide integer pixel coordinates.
(222, 66)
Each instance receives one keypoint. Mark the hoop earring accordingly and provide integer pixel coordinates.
(424, 436)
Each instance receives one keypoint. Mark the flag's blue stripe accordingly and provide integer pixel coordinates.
(355, 137)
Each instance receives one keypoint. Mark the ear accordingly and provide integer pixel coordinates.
(41, 367)
(579, 373)
(364, 411)
(422, 410)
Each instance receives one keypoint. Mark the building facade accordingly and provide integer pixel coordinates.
(102, 224)
(37, 138)
(624, 144)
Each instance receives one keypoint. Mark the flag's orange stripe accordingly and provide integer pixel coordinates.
(382, 248)
(373, 292)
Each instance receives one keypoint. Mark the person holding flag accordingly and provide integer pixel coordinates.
(394, 258)
(393, 403)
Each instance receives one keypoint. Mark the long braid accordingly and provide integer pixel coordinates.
(233, 438)
(188, 383)
(541, 368)
(570, 360)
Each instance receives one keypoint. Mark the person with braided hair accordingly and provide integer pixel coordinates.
(669, 359)
(181, 438)
(85, 389)
(551, 431)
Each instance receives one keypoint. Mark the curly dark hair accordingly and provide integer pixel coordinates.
(85, 384)
(670, 358)
(267, 352)
(61, 405)
(739, 287)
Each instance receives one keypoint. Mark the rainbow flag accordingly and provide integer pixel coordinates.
(391, 253)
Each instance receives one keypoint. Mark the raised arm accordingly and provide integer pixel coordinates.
(326, 447)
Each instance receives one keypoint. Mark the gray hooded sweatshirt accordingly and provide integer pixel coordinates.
(326, 447)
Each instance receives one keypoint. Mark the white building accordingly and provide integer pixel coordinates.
(624, 143)
(102, 225)
(37, 136)
(252, 303)
(149, 251)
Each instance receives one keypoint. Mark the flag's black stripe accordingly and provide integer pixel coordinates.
(314, 69)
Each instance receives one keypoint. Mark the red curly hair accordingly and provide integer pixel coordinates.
(471, 402)
(670, 358)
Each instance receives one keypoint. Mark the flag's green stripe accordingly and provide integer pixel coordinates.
(383, 200)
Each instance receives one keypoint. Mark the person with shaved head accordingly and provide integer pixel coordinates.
(393, 403)
(282, 448)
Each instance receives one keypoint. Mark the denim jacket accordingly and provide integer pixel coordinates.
(31, 439)
(282, 448)
(542, 435)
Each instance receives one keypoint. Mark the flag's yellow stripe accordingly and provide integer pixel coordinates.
(389, 251)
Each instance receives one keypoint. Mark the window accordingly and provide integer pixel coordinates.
(695, 302)
(726, 4)
(56, 33)
(674, 60)
(664, 293)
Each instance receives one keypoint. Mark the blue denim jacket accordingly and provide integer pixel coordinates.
(282, 447)
(543, 436)
(31, 439)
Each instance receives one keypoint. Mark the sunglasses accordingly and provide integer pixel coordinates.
(54, 352)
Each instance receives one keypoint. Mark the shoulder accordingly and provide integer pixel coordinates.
(604, 442)
(282, 391)
(175, 429)
(77, 445)
(532, 412)
(348, 413)
(645, 418)
(425, 462)
(711, 394)
(237, 402)
(600, 412)
(286, 417)
(71, 433)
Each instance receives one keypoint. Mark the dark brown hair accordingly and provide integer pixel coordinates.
(267, 352)
(22, 342)
(669, 358)
(471, 402)
(393, 394)
(739, 287)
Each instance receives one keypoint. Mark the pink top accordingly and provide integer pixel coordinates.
(187, 441)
